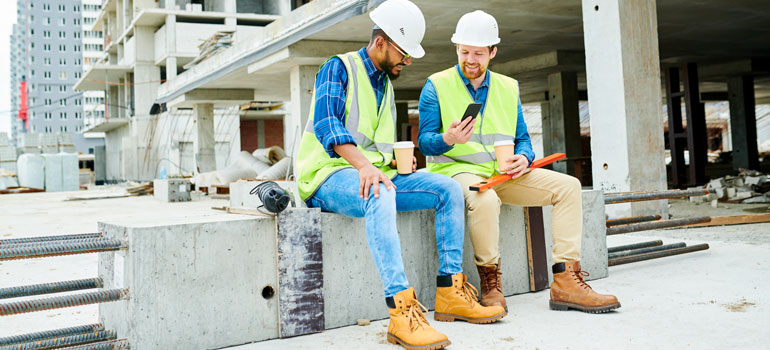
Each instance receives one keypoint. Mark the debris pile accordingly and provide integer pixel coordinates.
(220, 41)
(748, 186)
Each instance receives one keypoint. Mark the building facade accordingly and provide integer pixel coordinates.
(48, 53)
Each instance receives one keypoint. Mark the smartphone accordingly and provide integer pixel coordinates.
(472, 111)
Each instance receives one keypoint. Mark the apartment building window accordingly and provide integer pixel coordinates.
(62, 75)
(47, 115)
(62, 88)
(78, 115)
(46, 7)
(34, 129)
(76, 8)
(63, 128)
(76, 48)
(76, 35)
(62, 35)
(47, 75)
(31, 59)
(94, 47)
(46, 34)
(77, 75)
(76, 21)
(48, 20)
(47, 102)
(46, 88)
(89, 20)
(32, 45)
(47, 47)
(32, 31)
(63, 115)
(62, 21)
(78, 102)
(31, 19)
(34, 100)
(77, 61)
(32, 73)
(62, 8)
(46, 61)
(62, 48)
(62, 102)
(48, 129)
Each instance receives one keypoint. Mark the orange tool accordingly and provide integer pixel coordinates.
(492, 181)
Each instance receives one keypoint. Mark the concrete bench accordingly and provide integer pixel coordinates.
(233, 279)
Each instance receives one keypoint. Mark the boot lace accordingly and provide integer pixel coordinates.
(416, 314)
(490, 282)
(470, 293)
(578, 276)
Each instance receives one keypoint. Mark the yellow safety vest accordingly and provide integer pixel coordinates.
(497, 122)
(373, 130)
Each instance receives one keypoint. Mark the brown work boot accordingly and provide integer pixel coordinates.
(491, 288)
(408, 326)
(570, 291)
(458, 301)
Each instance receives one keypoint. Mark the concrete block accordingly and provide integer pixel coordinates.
(743, 195)
(172, 190)
(738, 182)
(720, 192)
(193, 285)
(754, 180)
(731, 192)
(716, 183)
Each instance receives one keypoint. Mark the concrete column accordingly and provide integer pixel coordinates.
(302, 79)
(545, 124)
(624, 94)
(230, 22)
(277, 7)
(171, 68)
(205, 155)
(402, 117)
(564, 115)
(740, 91)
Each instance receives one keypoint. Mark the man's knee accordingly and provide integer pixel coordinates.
(487, 202)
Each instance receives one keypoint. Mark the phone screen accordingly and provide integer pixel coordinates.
(472, 111)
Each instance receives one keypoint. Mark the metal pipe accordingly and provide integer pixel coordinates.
(51, 343)
(623, 197)
(60, 248)
(49, 238)
(48, 288)
(621, 248)
(101, 296)
(54, 333)
(632, 220)
(654, 225)
(120, 344)
(646, 250)
(655, 255)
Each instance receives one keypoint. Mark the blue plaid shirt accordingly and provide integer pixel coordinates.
(430, 139)
(331, 85)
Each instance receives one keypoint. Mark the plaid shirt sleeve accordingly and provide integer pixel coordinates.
(329, 112)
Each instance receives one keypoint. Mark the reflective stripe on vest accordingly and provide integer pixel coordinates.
(374, 136)
(496, 123)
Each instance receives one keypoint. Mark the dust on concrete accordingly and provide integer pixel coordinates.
(739, 306)
(508, 339)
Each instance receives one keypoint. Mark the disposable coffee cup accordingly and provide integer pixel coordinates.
(404, 151)
(503, 152)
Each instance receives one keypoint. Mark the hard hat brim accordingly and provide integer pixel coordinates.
(455, 40)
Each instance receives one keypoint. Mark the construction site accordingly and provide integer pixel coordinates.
(195, 224)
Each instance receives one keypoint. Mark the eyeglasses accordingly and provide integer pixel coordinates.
(405, 56)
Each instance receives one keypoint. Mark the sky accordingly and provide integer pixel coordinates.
(7, 19)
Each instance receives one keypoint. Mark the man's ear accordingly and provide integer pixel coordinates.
(493, 53)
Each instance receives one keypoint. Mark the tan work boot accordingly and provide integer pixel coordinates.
(458, 301)
(570, 291)
(491, 288)
(408, 326)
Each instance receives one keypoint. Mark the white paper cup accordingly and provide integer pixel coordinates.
(503, 152)
(404, 152)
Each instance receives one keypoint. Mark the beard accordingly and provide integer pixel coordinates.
(389, 68)
(480, 71)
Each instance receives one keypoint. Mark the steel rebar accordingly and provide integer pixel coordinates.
(101, 296)
(120, 344)
(655, 255)
(49, 238)
(623, 197)
(654, 225)
(53, 243)
(54, 333)
(646, 250)
(55, 248)
(632, 220)
(48, 288)
(621, 248)
(51, 343)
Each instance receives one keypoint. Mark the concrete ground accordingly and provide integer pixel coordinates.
(712, 299)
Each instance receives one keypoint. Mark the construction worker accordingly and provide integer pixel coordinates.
(345, 165)
(464, 151)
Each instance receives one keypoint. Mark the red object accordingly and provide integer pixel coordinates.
(492, 181)
(23, 105)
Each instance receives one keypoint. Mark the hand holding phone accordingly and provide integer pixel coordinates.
(460, 131)
(471, 111)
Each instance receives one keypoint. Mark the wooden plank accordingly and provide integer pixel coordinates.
(536, 249)
(300, 272)
(734, 220)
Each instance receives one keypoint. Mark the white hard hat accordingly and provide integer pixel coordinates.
(403, 22)
(476, 28)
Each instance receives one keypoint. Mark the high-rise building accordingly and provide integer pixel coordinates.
(93, 45)
(47, 52)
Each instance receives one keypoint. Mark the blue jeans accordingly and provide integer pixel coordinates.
(339, 194)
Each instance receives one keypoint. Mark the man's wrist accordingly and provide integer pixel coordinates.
(444, 137)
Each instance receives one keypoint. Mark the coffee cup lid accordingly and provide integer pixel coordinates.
(404, 144)
(503, 142)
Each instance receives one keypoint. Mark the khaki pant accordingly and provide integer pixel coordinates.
(540, 187)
